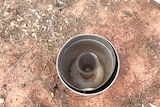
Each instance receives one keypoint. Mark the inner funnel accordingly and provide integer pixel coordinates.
(86, 64)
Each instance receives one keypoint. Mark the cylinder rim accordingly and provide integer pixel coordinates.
(84, 92)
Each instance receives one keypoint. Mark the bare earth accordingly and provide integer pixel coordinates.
(33, 31)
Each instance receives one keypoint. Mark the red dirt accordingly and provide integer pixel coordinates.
(28, 75)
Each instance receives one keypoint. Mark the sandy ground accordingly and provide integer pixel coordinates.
(33, 31)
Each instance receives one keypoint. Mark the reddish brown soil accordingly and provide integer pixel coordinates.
(28, 76)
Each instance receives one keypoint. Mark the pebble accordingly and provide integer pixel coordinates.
(158, 1)
(1, 100)
(152, 105)
(155, 1)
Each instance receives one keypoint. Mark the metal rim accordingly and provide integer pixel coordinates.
(116, 70)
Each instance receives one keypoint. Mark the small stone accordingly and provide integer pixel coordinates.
(1, 100)
(152, 105)
(52, 94)
(34, 35)
(49, 40)
(157, 1)
(105, 8)
(155, 57)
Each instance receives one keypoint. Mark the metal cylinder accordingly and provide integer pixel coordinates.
(88, 64)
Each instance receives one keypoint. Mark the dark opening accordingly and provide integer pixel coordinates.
(87, 62)
(87, 68)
